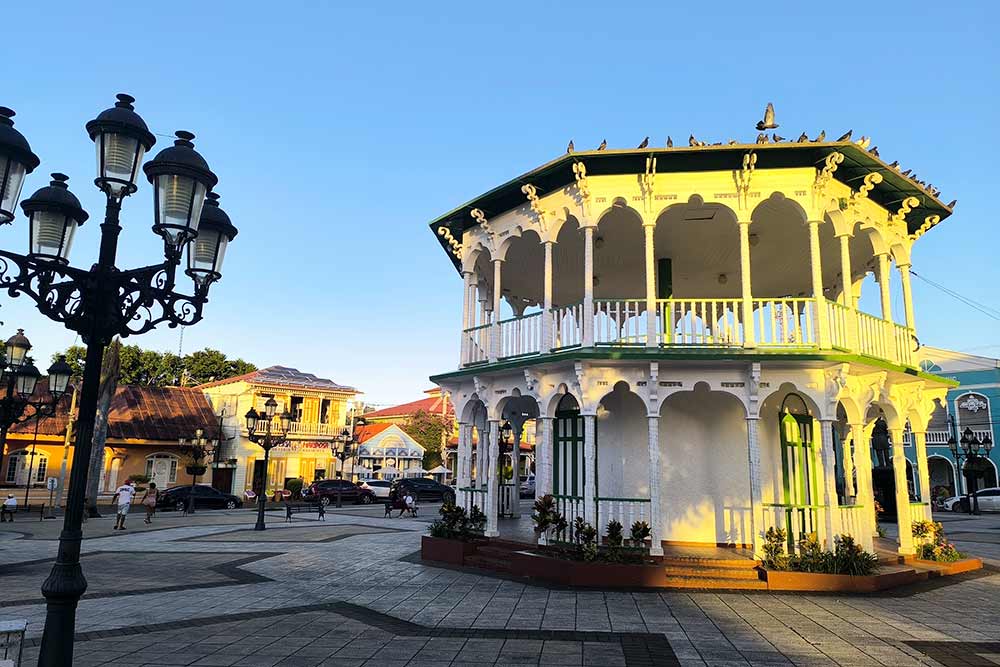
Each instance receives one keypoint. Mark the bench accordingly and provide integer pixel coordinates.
(298, 508)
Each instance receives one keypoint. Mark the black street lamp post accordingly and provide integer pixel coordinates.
(104, 301)
(975, 452)
(262, 430)
(198, 449)
(348, 441)
(19, 377)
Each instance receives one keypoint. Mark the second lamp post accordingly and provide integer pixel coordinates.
(262, 430)
(976, 452)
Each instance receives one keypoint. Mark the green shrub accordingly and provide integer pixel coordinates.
(295, 486)
(546, 517)
(639, 533)
(933, 545)
(616, 534)
(774, 549)
(456, 524)
(850, 558)
(847, 556)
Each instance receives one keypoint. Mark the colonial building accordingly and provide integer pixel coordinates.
(318, 408)
(436, 403)
(969, 405)
(145, 427)
(682, 326)
(385, 451)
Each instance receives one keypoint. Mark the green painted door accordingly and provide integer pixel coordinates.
(567, 455)
(799, 475)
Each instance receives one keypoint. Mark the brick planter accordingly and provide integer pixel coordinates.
(453, 552)
(782, 580)
(577, 573)
(948, 569)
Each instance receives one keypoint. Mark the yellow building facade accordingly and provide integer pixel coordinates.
(319, 409)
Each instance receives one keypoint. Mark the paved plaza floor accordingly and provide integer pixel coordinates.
(351, 590)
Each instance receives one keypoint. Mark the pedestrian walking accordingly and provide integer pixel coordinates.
(149, 501)
(123, 495)
(8, 508)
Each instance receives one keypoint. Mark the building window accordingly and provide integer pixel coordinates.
(295, 408)
(173, 470)
(43, 467)
(324, 411)
(13, 463)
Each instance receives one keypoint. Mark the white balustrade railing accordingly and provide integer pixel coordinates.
(625, 511)
(852, 521)
(699, 322)
(920, 511)
(570, 507)
(796, 521)
(520, 336)
(840, 322)
(785, 322)
(469, 496)
(477, 344)
(620, 321)
(778, 323)
(567, 326)
(508, 495)
(874, 336)
(905, 342)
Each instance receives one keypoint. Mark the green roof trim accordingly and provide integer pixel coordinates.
(664, 354)
(558, 173)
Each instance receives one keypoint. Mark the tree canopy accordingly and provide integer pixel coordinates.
(161, 369)
(431, 431)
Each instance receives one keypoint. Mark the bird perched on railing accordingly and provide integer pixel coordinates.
(846, 136)
(670, 142)
(776, 138)
(803, 138)
(644, 143)
(604, 144)
(820, 137)
(569, 147)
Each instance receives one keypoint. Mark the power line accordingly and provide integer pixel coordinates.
(982, 308)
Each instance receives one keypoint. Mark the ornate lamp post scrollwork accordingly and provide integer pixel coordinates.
(976, 453)
(105, 301)
(262, 430)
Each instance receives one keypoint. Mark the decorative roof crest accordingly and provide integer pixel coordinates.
(531, 192)
(743, 177)
(929, 222)
(871, 180)
(823, 176)
(453, 244)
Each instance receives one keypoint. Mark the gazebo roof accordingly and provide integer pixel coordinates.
(558, 173)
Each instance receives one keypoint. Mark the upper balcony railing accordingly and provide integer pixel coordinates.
(312, 428)
(792, 325)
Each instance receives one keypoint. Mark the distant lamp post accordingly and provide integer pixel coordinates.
(261, 429)
(103, 301)
(975, 452)
(19, 377)
(343, 452)
(197, 448)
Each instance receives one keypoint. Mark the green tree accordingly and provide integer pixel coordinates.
(160, 369)
(432, 432)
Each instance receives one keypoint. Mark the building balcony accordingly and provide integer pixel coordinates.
(787, 326)
(939, 437)
(311, 429)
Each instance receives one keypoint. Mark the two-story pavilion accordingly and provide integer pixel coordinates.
(682, 325)
(319, 412)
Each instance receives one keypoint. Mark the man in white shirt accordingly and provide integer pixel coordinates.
(9, 507)
(123, 495)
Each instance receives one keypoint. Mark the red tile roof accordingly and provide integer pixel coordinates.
(431, 405)
(141, 413)
(369, 431)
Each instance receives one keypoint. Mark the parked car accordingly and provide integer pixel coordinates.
(326, 492)
(528, 487)
(989, 501)
(422, 488)
(380, 487)
(205, 497)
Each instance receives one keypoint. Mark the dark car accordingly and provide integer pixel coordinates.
(422, 488)
(205, 497)
(326, 492)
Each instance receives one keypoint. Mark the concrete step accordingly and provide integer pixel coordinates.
(723, 583)
(713, 563)
(488, 563)
(711, 572)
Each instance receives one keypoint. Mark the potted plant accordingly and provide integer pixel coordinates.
(453, 537)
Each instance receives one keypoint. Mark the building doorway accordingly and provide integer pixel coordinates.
(222, 479)
(567, 455)
(800, 482)
(162, 470)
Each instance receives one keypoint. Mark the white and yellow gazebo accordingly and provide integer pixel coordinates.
(681, 326)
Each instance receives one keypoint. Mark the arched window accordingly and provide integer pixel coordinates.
(18, 463)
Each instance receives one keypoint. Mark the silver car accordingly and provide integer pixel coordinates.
(989, 501)
(380, 487)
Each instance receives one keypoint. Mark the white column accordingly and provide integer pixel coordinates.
(467, 314)
(904, 279)
(497, 295)
(749, 335)
(515, 464)
(822, 319)
(848, 464)
(757, 523)
(847, 290)
(547, 328)
(492, 527)
(590, 468)
(651, 328)
(543, 461)
(655, 513)
(482, 442)
(902, 494)
(923, 474)
(588, 286)
(865, 494)
(883, 285)
(831, 517)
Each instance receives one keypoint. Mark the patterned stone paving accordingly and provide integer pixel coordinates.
(311, 600)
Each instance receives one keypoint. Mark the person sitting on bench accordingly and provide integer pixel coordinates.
(8, 508)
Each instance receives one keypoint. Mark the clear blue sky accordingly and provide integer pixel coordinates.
(339, 132)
